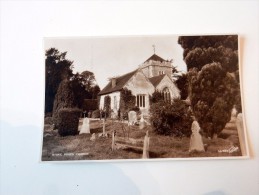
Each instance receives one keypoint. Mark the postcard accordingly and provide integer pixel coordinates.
(143, 98)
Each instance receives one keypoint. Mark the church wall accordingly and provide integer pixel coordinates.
(115, 101)
(167, 82)
(140, 85)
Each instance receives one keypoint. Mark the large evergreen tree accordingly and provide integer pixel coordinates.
(57, 67)
(212, 62)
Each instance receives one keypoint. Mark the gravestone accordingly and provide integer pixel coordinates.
(86, 126)
(196, 143)
(241, 134)
(132, 115)
(141, 122)
(92, 137)
(146, 146)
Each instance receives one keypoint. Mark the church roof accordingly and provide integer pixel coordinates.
(157, 79)
(155, 58)
(120, 82)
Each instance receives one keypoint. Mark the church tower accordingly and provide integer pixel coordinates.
(155, 66)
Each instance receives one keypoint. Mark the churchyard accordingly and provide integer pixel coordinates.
(96, 146)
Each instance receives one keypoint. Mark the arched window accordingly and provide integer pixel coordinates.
(166, 94)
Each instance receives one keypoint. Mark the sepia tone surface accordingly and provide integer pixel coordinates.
(164, 106)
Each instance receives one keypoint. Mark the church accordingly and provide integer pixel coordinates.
(155, 74)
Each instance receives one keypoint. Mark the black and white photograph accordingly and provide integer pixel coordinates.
(143, 98)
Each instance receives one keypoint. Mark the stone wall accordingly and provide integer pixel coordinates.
(140, 85)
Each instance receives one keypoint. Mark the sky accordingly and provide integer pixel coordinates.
(107, 57)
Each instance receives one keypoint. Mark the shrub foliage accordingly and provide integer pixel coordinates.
(68, 121)
(127, 102)
(213, 84)
(171, 119)
(107, 106)
(64, 99)
(90, 105)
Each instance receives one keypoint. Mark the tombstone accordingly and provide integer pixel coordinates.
(196, 143)
(92, 137)
(89, 114)
(141, 122)
(241, 134)
(146, 146)
(86, 126)
(84, 113)
(132, 117)
(113, 115)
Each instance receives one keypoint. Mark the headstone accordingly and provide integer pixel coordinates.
(196, 143)
(132, 115)
(141, 122)
(113, 115)
(146, 146)
(241, 134)
(86, 126)
(92, 137)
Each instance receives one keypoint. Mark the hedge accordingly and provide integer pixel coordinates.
(68, 121)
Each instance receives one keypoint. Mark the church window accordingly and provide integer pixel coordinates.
(161, 72)
(141, 101)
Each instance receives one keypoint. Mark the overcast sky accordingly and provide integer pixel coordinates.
(114, 56)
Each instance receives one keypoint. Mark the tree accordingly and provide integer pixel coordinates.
(57, 67)
(88, 80)
(94, 91)
(182, 84)
(64, 98)
(84, 87)
(212, 83)
(156, 97)
(79, 90)
(202, 50)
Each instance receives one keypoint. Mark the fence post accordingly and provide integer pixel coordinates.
(146, 146)
(113, 140)
(103, 128)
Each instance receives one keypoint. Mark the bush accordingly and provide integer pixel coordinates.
(171, 119)
(213, 93)
(107, 105)
(135, 108)
(64, 98)
(90, 104)
(156, 97)
(68, 121)
(96, 114)
(48, 120)
(127, 101)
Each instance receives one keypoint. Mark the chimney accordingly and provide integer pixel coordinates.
(113, 82)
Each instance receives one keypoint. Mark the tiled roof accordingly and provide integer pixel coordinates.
(155, 58)
(120, 83)
(157, 79)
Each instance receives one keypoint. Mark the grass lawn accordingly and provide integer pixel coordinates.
(80, 147)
